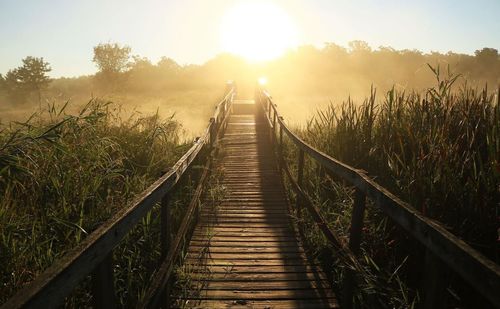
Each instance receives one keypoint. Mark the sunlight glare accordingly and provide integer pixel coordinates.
(257, 31)
(262, 80)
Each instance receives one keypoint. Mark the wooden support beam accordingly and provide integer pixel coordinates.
(103, 288)
(358, 211)
(165, 226)
(300, 180)
(435, 282)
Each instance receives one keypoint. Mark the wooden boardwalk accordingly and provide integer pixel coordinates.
(245, 252)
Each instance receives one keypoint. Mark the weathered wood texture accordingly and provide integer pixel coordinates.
(244, 253)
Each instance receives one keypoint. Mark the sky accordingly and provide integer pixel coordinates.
(64, 32)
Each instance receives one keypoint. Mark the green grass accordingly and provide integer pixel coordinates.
(62, 175)
(438, 150)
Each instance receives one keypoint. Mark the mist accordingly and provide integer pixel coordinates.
(301, 81)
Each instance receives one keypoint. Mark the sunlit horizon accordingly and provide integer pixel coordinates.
(257, 31)
(178, 29)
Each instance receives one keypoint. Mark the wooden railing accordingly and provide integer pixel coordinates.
(94, 255)
(443, 249)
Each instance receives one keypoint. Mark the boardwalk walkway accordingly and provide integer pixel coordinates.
(244, 251)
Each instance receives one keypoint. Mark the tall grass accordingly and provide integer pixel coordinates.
(62, 175)
(439, 150)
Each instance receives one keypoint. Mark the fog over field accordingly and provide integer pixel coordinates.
(302, 80)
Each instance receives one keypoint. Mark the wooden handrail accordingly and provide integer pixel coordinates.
(482, 273)
(50, 288)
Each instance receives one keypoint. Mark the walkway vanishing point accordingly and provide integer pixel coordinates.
(245, 246)
(245, 251)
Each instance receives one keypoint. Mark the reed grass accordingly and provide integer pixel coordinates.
(62, 175)
(439, 150)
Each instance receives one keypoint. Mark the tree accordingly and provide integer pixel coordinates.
(112, 60)
(27, 79)
(488, 55)
(168, 65)
(140, 64)
(359, 46)
(487, 64)
(2, 83)
(3, 88)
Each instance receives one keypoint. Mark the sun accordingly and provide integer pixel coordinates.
(258, 31)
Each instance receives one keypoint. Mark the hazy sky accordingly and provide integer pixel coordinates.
(65, 31)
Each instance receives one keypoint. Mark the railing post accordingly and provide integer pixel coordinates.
(103, 289)
(271, 128)
(300, 177)
(358, 212)
(165, 226)
(281, 146)
(269, 107)
(165, 223)
(274, 125)
(354, 243)
(434, 282)
(213, 131)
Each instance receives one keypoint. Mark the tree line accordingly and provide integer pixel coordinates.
(307, 68)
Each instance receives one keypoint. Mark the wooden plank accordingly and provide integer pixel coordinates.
(267, 208)
(260, 285)
(255, 277)
(246, 262)
(258, 229)
(225, 211)
(267, 304)
(214, 215)
(244, 235)
(237, 238)
(245, 210)
(262, 214)
(249, 269)
(265, 294)
(251, 256)
(243, 244)
(249, 203)
(269, 193)
(249, 250)
(248, 225)
(253, 199)
(266, 221)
